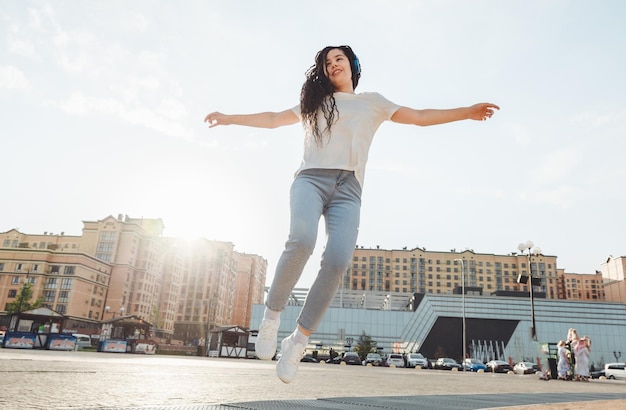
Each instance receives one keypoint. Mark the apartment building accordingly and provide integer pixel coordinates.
(207, 289)
(68, 281)
(613, 271)
(124, 266)
(251, 272)
(132, 247)
(579, 286)
(420, 271)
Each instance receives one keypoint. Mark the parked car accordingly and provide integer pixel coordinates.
(335, 360)
(82, 340)
(417, 359)
(374, 359)
(351, 358)
(446, 363)
(597, 374)
(526, 368)
(474, 365)
(614, 371)
(498, 366)
(395, 359)
(309, 359)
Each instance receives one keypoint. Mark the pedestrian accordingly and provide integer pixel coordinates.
(581, 352)
(563, 366)
(339, 126)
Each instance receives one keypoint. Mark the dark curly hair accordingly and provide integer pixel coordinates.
(317, 92)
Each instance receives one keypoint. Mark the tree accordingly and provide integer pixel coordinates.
(365, 345)
(23, 300)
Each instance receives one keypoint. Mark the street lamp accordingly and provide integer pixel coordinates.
(463, 302)
(531, 249)
(107, 309)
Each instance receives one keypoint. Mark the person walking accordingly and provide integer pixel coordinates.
(339, 126)
(581, 352)
(563, 366)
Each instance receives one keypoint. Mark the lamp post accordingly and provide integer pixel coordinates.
(463, 309)
(107, 309)
(531, 249)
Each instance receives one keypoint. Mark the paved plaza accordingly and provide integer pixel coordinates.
(42, 379)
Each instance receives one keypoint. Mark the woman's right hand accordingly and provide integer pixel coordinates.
(216, 118)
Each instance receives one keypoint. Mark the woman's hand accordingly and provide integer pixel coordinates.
(216, 118)
(482, 111)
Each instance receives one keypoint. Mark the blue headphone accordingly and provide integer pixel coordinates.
(357, 65)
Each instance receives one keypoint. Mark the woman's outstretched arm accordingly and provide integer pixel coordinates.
(259, 120)
(479, 112)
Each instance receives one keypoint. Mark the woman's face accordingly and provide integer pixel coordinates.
(338, 71)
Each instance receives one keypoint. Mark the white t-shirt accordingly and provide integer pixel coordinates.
(351, 135)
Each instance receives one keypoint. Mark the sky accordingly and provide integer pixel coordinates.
(102, 106)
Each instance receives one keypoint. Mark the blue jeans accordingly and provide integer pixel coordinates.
(335, 194)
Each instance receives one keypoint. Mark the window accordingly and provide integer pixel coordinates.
(35, 268)
(51, 283)
(1, 266)
(12, 293)
(69, 270)
(62, 309)
(15, 280)
(64, 297)
(49, 295)
(18, 267)
(55, 269)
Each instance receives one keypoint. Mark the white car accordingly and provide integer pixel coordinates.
(615, 371)
(525, 368)
(395, 359)
(417, 359)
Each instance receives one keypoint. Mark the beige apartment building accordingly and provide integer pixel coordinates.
(613, 270)
(207, 289)
(123, 266)
(251, 274)
(422, 271)
(580, 286)
(133, 248)
(68, 281)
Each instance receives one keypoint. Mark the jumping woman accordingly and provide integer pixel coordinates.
(339, 126)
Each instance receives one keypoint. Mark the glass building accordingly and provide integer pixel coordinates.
(496, 327)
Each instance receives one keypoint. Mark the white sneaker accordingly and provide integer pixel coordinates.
(291, 353)
(265, 346)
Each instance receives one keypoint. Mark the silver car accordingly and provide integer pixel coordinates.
(417, 359)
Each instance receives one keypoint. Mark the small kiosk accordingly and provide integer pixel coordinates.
(126, 334)
(40, 328)
(228, 341)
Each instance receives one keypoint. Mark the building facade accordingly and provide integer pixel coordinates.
(251, 273)
(613, 270)
(421, 271)
(67, 281)
(580, 286)
(497, 327)
(124, 266)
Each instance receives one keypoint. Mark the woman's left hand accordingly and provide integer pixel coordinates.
(482, 111)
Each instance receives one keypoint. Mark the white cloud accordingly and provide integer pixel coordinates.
(79, 104)
(172, 109)
(11, 78)
(17, 44)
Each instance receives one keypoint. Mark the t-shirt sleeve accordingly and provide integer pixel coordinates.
(296, 110)
(385, 107)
